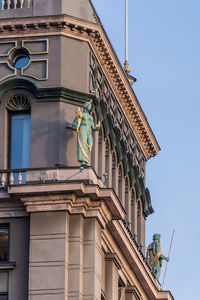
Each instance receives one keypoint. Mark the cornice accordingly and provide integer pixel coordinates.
(100, 202)
(95, 35)
(114, 258)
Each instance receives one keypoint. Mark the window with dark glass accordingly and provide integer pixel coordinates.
(4, 244)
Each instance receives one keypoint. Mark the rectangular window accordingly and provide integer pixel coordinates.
(4, 243)
(3, 285)
(20, 143)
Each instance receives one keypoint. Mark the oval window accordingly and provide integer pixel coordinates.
(19, 58)
(21, 62)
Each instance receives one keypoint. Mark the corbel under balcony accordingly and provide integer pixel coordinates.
(79, 191)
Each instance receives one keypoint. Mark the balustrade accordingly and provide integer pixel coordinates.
(46, 175)
(12, 177)
(15, 4)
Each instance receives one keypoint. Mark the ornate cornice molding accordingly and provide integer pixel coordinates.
(95, 35)
(89, 200)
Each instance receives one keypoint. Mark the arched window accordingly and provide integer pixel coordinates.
(107, 162)
(139, 221)
(114, 170)
(133, 212)
(100, 142)
(19, 111)
(127, 201)
(120, 177)
(95, 148)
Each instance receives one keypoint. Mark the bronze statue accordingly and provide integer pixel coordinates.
(84, 124)
(155, 256)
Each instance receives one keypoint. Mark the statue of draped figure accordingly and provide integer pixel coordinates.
(84, 124)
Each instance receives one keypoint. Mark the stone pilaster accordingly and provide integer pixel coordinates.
(48, 263)
(113, 264)
(75, 270)
(92, 260)
(95, 151)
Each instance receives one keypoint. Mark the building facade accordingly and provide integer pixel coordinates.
(68, 232)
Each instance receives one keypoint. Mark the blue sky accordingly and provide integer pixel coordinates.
(164, 55)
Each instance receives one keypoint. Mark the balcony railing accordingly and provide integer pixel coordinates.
(15, 4)
(48, 175)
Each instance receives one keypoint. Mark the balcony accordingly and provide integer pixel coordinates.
(9, 178)
(30, 8)
(15, 8)
(15, 4)
(80, 182)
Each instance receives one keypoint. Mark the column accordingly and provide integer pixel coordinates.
(75, 273)
(143, 233)
(48, 260)
(95, 151)
(109, 170)
(92, 254)
(113, 264)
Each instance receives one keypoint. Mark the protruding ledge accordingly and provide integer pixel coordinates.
(133, 291)
(114, 258)
(6, 266)
(75, 197)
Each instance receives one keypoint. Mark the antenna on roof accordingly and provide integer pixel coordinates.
(126, 64)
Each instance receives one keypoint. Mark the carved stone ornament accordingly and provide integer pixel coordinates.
(18, 103)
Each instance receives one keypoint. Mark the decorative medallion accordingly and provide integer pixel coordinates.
(18, 103)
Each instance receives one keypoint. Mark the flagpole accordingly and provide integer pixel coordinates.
(126, 64)
(126, 30)
(170, 247)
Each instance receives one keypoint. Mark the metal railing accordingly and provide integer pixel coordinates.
(15, 4)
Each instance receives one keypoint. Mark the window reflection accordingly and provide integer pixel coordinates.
(4, 244)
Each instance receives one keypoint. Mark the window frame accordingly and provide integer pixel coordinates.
(10, 115)
(5, 293)
(6, 226)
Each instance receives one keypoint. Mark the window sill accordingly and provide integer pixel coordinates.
(7, 265)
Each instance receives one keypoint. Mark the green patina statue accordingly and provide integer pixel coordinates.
(84, 124)
(155, 256)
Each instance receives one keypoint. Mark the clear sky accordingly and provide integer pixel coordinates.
(164, 55)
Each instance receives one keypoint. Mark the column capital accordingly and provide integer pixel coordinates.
(114, 258)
